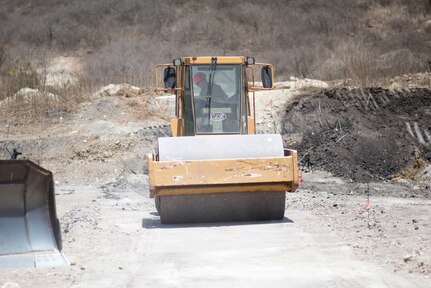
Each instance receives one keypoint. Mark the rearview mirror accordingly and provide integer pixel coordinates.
(266, 77)
(170, 78)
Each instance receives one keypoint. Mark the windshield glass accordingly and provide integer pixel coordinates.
(216, 94)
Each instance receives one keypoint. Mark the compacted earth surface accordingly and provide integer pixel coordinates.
(360, 218)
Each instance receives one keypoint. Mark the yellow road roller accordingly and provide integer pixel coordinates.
(215, 168)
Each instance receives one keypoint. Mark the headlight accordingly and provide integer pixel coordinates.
(250, 60)
(177, 62)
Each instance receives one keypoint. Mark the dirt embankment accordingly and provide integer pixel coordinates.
(104, 139)
(363, 134)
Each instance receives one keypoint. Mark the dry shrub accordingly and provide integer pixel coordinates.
(122, 40)
(33, 105)
(360, 64)
(415, 170)
(366, 66)
(126, 61)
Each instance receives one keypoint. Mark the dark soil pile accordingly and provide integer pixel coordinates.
(362, 134)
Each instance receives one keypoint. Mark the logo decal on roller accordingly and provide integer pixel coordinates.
(218, 116)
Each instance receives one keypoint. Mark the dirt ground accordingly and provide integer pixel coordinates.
(363, 134)
(371, 229)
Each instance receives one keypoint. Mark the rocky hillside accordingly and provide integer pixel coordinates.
(361, 40)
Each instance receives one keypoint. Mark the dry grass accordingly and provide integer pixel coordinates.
(415, 170)
(44, 106)
(368, 41)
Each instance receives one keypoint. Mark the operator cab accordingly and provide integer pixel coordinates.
(217, 100)
(212, 94)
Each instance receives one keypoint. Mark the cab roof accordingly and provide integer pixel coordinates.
(220, 60)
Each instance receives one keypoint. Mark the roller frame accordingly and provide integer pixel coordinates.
(222, 190)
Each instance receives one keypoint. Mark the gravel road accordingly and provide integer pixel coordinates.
(112, 236)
